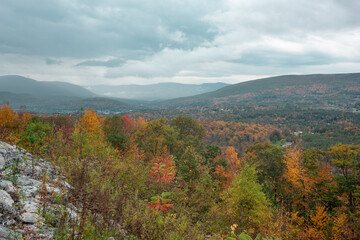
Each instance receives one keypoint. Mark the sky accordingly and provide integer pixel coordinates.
(113, 42)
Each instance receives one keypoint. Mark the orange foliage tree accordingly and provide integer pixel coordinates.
(226, 175)
(9, 121)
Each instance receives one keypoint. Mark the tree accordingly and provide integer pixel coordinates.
(9, 121)
(189, 133)
(268, 159)
(155, 137)
(187, 126)
(301, 184)
(187, 166)
(311, 159)
(346, 159)
(90, 122)
(118, 130)
(245, 203)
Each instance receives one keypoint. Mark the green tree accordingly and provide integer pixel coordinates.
(188, 165)
(268, 159)
(311, 159)
(346, 159)
(245, 203)
(190, 133)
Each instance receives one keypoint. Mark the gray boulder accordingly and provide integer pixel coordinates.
(6, 203)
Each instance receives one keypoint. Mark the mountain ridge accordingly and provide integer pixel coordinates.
(307, 89)
(22, 85)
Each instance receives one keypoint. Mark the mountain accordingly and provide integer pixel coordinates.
(160, 91)
(337, 91)
(21, 85)
(54, 97)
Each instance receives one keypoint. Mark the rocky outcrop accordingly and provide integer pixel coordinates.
(28, 191)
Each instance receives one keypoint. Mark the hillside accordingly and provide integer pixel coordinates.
(53, 97)
(21, 85)
(330, 91)
(160, 91)
(63, 105)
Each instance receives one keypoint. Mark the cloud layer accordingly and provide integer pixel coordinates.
(132, 41)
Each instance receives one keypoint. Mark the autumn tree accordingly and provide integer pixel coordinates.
(89, 138)
(119, 130)
(90, 122)
(214, 158)
(9, 122)
(154, 137)
(301, 184)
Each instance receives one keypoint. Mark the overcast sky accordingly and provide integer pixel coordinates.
(89, 42)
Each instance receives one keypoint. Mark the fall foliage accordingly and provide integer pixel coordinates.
(183, 178)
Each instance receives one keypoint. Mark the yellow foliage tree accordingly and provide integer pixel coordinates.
(296, 175)
(90, 122)
(319, 221)
(339, 229)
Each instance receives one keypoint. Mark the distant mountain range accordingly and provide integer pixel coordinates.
(53, 97)
(21, 85)
(154, 92)
(325, 91)
(328, 91)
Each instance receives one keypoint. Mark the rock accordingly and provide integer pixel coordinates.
(5, 233)
(8, 234)
(20, 199)
(6, 203)
(7, 186)
(29, 191)
(52, 190)
(27, 181)
(2, 162)
(31, 207)
(29, 217)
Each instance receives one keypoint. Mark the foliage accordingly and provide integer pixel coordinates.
(161, 202)
(133, 178)
(245, 203)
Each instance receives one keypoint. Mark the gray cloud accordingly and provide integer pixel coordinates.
(50, 61)
(137, 40)
(97, 63)
(88, 29)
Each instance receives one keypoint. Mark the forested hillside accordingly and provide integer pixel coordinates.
(325, 91)
(181, 178)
